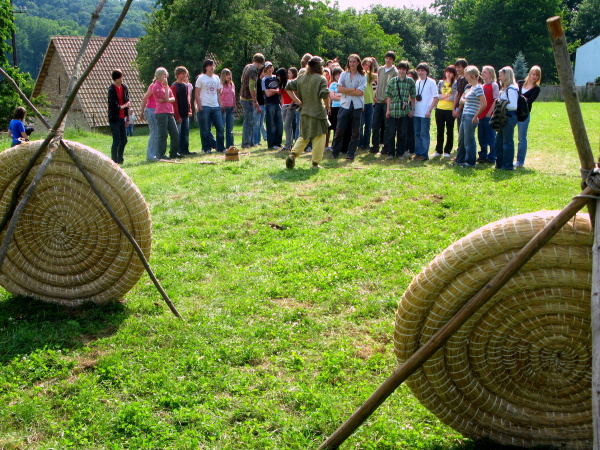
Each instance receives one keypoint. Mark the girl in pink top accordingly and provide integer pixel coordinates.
(149, 112)
(164, 113)
(228, 104)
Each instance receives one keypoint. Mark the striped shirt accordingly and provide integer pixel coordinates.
(472, 101)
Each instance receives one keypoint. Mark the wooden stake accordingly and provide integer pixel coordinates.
(595, 310)
(569, 91)
(470, 308)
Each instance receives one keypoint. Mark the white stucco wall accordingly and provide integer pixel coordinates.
(587, 62)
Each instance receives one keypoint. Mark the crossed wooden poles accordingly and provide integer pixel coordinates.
(591, 189)
(55, 138)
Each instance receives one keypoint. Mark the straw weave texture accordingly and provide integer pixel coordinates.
(519, 371)
(66, 248)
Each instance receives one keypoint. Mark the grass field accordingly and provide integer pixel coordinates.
(288, 282)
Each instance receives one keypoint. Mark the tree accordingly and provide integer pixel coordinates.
(33, 37)
(492, 31)
(9, 99)
(423, 35)
(520, 67)
(586, 21)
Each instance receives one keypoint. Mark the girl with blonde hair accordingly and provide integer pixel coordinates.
(229, 105)
(505, 139)
(530, 89)
(485, 133)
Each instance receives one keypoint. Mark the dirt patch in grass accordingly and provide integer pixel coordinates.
(291, 303)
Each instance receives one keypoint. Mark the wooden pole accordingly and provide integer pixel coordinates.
(440, 338)
(569, 91)
(595, 310)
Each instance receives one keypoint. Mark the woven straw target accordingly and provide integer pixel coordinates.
(519, 371)
(66, 248)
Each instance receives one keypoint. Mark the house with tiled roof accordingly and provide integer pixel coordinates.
(89, 110)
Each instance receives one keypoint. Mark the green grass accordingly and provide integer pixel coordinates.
(288, 282)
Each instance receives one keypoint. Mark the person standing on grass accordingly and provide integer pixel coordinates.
(165, 119)
(505, 138)
(182, 110)
(149, 112)
(443, 113)
(400, 106)
(334, 104)
(530, 89)
(474, 104)
(311, 92)
(410, 134)
(118, 115)
(461, 84)
(384, 75)
(366, 118)
(352, 85)
(248, 97)
(208, 103)
(274, 120)
(259, 114)
(229, 105)
(485, 133)
(426, 100)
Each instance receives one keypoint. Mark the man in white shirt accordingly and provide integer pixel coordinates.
(208, 107)
(351, 86)
(427, 98)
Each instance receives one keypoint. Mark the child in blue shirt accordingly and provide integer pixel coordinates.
(17, 127)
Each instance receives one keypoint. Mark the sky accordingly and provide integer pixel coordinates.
(363, 4)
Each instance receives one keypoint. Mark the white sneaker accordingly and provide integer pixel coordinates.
(436, 155)
(446, 155)
(518, 164)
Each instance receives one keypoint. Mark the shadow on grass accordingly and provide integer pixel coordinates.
(27, 325)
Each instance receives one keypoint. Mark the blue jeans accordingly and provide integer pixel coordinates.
(487, 140)
(119, 135)
(208, 115)
(248, 125)
(522, 133)
(366, 125)
(184, 135)
(289, 117)
(259, 126)
(467, 154)
(274, 125)
(228, 120)
(152, 150)
(297, 126)
(505, 143)
(422, 138)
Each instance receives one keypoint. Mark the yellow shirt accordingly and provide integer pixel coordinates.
(445, 88)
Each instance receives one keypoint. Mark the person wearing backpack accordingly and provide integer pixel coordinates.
(530, 89)
(505, 139)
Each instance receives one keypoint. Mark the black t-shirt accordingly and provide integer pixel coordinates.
(272, 83)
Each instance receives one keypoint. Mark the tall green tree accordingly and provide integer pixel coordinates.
(520, 66)
(423, 34)
(33, 37)
(493, 31)
(9, 99)
(586, 21)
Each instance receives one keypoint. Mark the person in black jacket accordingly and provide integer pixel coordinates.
(530, 89)
(118, 115)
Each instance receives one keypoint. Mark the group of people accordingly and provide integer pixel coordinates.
(382, 109)
(388, 109)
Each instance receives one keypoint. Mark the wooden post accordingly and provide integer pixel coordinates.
(470, 308)
(567, 84)
(595, 310)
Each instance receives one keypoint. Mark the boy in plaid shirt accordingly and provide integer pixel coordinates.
(400, 98)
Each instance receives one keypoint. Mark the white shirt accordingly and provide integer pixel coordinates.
(511, 93)
(428, 90)
(209, 90)
(357, 82)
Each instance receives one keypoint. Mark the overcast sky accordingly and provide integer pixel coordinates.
(364, 4)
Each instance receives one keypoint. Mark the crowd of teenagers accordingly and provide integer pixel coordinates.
(326, 107)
